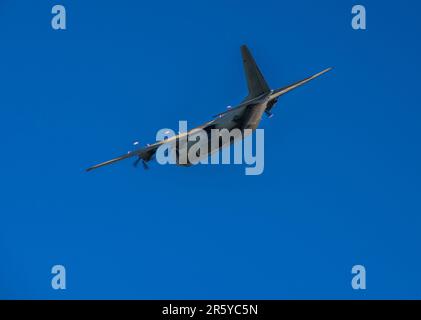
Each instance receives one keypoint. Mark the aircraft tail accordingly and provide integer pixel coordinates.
(255, 81)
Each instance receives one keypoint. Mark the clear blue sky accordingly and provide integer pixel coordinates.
(342, 173)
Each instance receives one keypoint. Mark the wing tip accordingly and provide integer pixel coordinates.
(326, 70)
(329, 69)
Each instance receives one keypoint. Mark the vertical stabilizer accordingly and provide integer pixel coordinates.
(255, 81)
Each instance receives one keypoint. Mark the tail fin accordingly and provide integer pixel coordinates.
(255, 81)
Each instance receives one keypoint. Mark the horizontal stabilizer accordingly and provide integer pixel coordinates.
(279, 92)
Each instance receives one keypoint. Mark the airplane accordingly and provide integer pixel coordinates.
(247, 115)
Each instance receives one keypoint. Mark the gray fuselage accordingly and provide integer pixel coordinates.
(245, 118)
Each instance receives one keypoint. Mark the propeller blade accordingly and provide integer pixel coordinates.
(269, 114)
(137, 162)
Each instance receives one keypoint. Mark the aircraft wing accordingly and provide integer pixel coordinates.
(143, 153)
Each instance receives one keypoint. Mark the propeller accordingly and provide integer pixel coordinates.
(269, 114)
(145, 165)
(137, 162)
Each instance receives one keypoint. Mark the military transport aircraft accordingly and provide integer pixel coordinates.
(247, 115)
